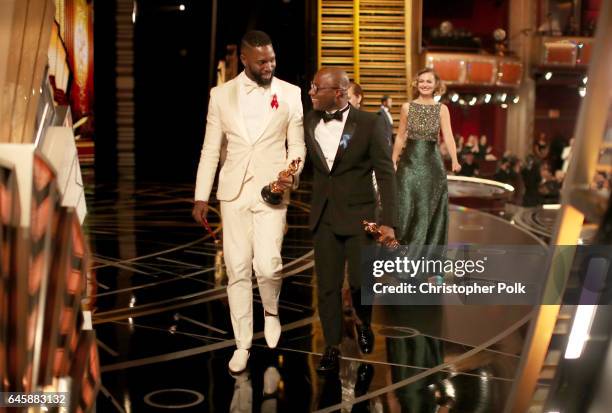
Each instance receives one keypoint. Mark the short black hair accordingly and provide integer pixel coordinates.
(255, 38)
(384, 98)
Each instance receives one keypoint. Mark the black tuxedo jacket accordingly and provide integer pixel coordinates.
(347, 189)
(388, 125)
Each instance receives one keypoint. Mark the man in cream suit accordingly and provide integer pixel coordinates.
(261, 118)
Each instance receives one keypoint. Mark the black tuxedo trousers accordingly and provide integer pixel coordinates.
(332, 251)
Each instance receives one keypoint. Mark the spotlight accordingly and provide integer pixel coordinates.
(437, 98)
(473, 101)
(461, 101)
(504, 106)
(582, 91)
(585, 80)
(454, 97)
(182, 7)
(503, 97)
(548, 75)
(487, 98)
(516, 99)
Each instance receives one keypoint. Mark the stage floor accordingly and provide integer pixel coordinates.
(164, 334)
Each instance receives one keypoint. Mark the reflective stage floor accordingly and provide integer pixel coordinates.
(162, 322)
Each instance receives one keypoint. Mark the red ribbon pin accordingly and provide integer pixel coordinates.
(274, 102)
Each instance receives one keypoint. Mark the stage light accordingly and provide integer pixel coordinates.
(487, 98)
(462, 101)
(437, 98)
(580, 331)
(585, 80)
(582, 91)
(473, 101)
(503, 97)
(504, 106)
(516, 99)
(454, 97)
(182, 7)
(548, 75)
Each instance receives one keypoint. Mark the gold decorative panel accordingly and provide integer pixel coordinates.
(367, 39)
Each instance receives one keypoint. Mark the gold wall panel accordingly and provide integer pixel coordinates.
(367, 38)
(26, 29)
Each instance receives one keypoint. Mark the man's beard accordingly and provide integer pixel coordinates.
(260, 80)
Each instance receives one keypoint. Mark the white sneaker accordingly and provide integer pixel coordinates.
(272, 330)
(238, 362)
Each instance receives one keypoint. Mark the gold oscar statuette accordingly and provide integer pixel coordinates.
(374, 229)
(273, 193)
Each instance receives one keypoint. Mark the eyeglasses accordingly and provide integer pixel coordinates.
(315, 89)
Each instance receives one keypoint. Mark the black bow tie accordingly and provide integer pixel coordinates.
(337, 115)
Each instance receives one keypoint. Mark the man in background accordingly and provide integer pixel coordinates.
(386, 103)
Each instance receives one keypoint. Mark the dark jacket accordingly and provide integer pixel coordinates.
(347, 189)
(388, 125)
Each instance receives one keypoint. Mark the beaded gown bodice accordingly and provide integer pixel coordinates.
(423, 122)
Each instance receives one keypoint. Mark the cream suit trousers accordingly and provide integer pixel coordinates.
(252, 238)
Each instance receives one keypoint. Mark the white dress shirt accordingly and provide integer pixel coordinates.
(255, 105)
(328, 135)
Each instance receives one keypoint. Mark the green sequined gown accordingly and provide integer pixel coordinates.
(421, 181)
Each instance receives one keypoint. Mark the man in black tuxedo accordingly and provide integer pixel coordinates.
(386, 102)
(345, 146)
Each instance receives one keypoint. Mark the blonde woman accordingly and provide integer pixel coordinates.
(421, 176)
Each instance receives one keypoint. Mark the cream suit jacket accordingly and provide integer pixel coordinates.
(280, 141)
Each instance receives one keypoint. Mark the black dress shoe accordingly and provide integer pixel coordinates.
(365, 373)
(365, 338)
(330, 360)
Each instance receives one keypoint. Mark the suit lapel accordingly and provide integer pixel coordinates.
(347, 135)
(314, 121)
(234, 101)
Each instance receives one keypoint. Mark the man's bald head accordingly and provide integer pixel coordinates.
(329, 89)
(336, 75)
